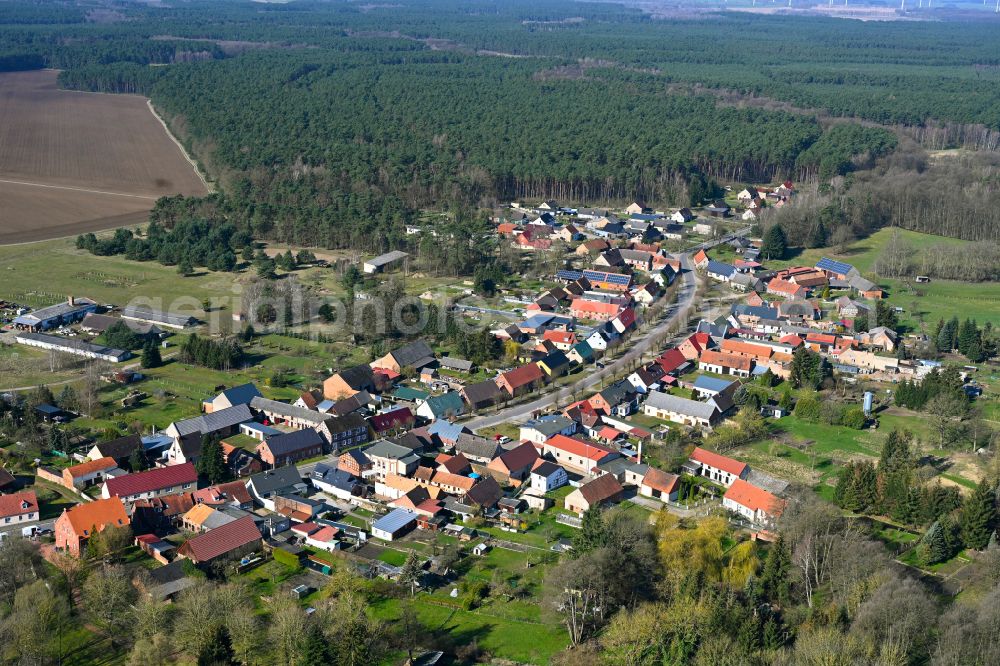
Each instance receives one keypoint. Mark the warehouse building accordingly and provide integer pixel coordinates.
(158, 317)
(70, 311)
(384, 261)
(75, 347)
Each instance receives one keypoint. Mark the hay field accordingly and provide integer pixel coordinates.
(73, 162)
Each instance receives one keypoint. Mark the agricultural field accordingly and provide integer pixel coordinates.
(72, 162)
(926, 302)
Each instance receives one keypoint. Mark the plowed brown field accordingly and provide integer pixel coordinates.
(72, 162)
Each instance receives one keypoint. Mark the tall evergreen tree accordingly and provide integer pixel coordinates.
(211, 464)
(979, 516)
(775, 243)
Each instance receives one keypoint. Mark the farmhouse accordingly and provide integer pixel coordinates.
(289, 448)
(681, 410)
(722, 363)
(151, 483)
(76, 525)
(414, 355)
(575, 454)
(718, 468)
(230, 397)
(384, 261)
(19, 507)
(90, 473)
(601, 491)
(232, 539)
(520, 380)
(349, 382)
(158, 317)
(755, 504)
(73, 346)
(68, 312)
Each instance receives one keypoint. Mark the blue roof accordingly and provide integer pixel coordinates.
(445, 429)
(611, 278)
(839, 267)
(394, 520)
(569, 275)
(720, 268)
(241, 394)
(297, 440)
(537, 321)
(714, 384)
(46, 408)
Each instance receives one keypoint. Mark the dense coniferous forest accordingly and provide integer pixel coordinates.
(333, 124)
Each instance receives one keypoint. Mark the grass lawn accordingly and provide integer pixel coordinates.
(520, 641)
(393, 557)
(939, 298)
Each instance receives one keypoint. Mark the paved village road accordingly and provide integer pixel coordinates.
(640, 344)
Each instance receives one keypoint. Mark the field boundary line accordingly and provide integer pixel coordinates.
(78, 189)
(180, 146)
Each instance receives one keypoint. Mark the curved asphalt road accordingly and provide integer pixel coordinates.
(640, 344)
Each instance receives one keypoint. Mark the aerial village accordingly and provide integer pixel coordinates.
(404, 451)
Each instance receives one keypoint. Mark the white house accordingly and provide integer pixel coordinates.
(547, 476)
(715, 467)
(755, 504)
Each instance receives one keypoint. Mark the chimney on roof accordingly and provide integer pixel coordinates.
(71, 300)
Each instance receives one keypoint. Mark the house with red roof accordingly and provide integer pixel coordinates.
(75, 526)
(515, 465)
(672, 361)
(393, 421)
(576, 454)
(779, 287)
(601, 491)
(521, 380)
(234, 539)
(755, 504)
(659, 485)
(152, 483)
(563, 340)
(18, 508)
(723, 363)
(716, 467)
(701, 259)
(625, 320)
(694, 345)
(583, 308)
(90, 473)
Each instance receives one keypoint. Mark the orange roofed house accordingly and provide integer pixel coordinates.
(755, 504)
(521, 380)
(78, 524)
(722, 363)
(582, 308)
(715, 467)
(90, 473)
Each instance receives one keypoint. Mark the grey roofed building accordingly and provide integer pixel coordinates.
(269, 406)
(550, 424)
(454, 363)
(712, 384)
(333, 477)
(120, 449)
(618, 466)
(481, 394)
(413, 354)
(376, 264)
(386, 449)
(209, 423)
(477, 448)
(99, 323)
(157, 317)
(290, 442)
(394, 521)
(73, 346)
(720, 268)
(70, 310)
(619, 392)
(240, 395)
(672, 403)
(358, 377)
(759, 311)
(281, 480)
(861, 284)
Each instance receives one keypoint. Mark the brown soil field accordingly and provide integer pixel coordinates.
(73, 162)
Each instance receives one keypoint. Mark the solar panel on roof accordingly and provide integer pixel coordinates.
(838, 267)
(569, 275)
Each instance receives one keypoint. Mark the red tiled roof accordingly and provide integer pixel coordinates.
(726, 360)
(600, 489)
(712, 459)
(790, 339)
(575, 447)
(18, 504)
(91, 466)
(234, 491)
(659, 480)
(520, 457)
(671, 359)
(609, 433)
(394, 419)
(753, 498)
(221, 540)
(97, 515)
(593, 307)
(564, 337)
(152, 480)
(626, 317)
(523, 375)
(737, 346)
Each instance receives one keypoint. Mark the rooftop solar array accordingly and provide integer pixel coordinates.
(610, 278)
(838, 267)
